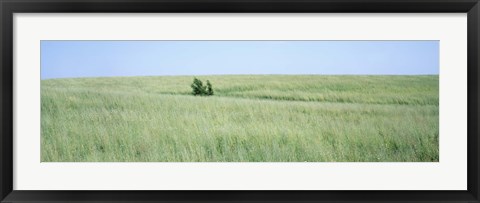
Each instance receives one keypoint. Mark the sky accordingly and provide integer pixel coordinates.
(72, 59)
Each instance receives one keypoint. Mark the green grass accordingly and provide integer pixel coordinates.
(251, 118)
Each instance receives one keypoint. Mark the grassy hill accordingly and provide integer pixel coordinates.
(268, 118)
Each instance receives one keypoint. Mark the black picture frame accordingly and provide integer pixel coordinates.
(9, 7)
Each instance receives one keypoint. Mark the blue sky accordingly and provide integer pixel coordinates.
(68, 59)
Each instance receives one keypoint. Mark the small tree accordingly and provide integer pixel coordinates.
(198, 88)
(209, 88)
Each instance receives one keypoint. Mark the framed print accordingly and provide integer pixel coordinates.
(253, 101)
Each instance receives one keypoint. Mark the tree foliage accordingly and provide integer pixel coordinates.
(199, 89)
(209, 88)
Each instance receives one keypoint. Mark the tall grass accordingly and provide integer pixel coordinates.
(255, 118)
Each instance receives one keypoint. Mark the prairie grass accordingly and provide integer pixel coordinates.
(251, 118)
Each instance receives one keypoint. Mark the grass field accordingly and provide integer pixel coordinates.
(251, 118)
